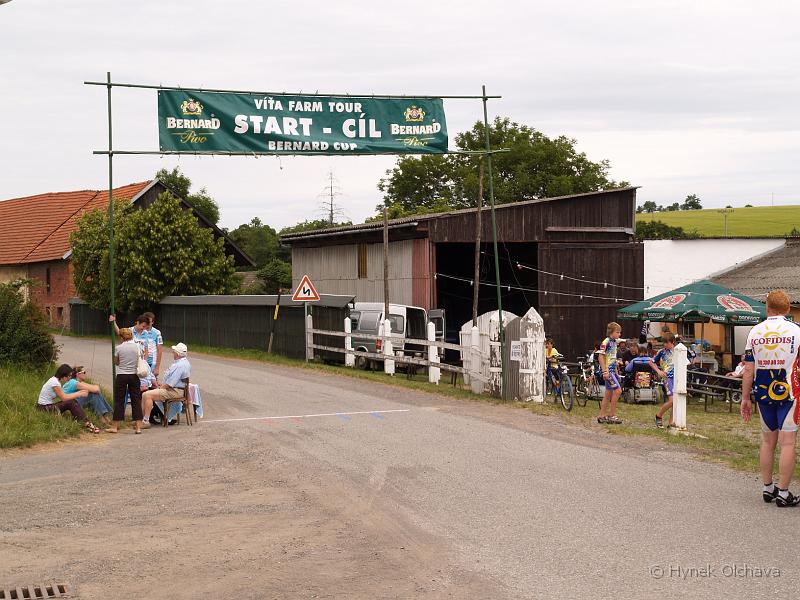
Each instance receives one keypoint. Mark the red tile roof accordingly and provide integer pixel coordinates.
(37, 228)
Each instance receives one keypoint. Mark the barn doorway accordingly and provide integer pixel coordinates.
(455, 270)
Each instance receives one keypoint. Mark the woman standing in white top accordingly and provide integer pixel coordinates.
(126, 356)
(52, 398)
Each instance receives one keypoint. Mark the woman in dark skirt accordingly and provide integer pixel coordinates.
(126, 357)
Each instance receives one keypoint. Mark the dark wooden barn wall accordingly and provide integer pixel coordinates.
(577, 323)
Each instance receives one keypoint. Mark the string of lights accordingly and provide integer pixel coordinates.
(520, 266)
(526, 289)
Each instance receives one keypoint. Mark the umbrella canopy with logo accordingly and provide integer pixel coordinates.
(698, 302)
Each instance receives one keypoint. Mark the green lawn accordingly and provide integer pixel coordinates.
(759, 221)
(22, 424)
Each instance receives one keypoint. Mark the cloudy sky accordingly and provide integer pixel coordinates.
(681, 97)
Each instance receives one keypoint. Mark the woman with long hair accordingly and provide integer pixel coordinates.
(93, 400)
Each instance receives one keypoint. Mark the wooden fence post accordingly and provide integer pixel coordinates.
(309, 338)
(680, 364)
(349, 357)
(475, 366)
(434, 373)
(388, 350)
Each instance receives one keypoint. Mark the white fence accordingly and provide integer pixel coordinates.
(472, 366)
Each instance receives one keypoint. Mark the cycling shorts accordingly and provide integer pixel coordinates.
(612, 383)
(778, 415)
(669, 384)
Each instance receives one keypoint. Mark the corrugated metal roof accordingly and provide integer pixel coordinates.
(331, 300)
(413, 220)
(778, 269)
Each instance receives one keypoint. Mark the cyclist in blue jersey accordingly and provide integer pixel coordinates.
(607, 355)
(662, 363)
(771, 372)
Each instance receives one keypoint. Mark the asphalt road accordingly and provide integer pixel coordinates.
(301, 484)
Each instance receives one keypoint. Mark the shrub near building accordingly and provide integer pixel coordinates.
(27, 351)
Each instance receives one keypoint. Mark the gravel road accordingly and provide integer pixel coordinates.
(306, 485)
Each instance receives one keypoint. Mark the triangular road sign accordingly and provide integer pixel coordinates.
(305, 292)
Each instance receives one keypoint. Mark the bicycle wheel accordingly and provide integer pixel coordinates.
(581, 391)
(567, 394)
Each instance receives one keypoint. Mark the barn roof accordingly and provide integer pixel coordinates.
(414, 220)
(777, 269)
(37, 228)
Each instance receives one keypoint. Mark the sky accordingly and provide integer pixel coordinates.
(681, 97)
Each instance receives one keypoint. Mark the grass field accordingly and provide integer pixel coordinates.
(22, 424)
(759, 221)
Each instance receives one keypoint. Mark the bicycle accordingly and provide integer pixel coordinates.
(586, 386)
(559, 385)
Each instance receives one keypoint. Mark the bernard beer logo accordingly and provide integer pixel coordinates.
(734, 303)
(191, 107)
(670, 301)
(414, 114)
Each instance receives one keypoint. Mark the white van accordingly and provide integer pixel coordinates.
(409, 322)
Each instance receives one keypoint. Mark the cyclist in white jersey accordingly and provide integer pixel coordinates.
(771, 372)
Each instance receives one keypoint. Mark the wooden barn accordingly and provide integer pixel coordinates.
(573, 258)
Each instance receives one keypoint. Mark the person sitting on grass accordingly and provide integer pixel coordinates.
(662, 364)
(172, 388)
(53, 399)
(94, 400)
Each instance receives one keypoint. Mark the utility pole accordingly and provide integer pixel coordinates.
(385, 262)
(328, 205)
(476, 285)
(725, 212)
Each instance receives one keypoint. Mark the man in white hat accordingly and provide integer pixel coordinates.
(172, 387)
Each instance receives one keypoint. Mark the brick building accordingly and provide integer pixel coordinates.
(35, 240)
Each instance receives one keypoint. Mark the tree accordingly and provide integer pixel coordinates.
(311, 226)
(672, 207)
(692, 202)
(650, 207)
(535, 166)
(276, 274)
(259, 241)
(658, 230)
(179, 184)
(748, 206)
(24, 338)
(175, 257)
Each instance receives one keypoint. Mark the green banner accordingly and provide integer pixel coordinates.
(286, 124)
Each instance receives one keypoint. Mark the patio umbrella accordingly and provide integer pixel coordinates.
(698, 302)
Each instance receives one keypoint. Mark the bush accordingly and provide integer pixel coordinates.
(24, 338)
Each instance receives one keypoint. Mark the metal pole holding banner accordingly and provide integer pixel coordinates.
(112, 307)
(503, 371)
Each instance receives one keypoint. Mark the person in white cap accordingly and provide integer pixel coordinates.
(172, 387)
